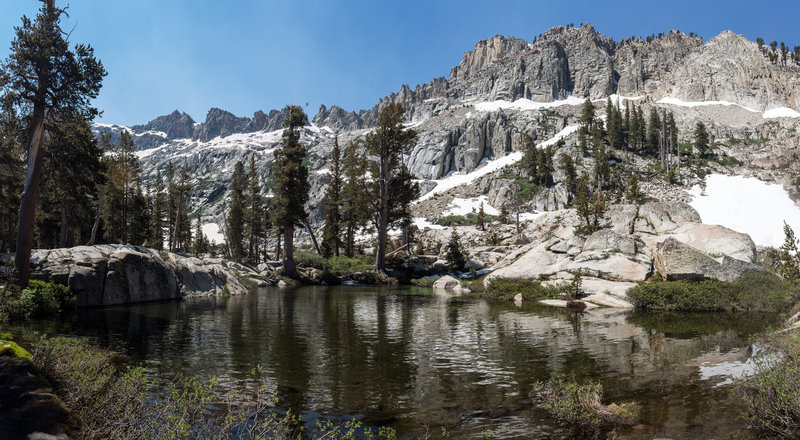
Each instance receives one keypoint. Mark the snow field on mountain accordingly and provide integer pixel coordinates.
(682, 103)
(461, 206)
(781, 112)
(748, 205)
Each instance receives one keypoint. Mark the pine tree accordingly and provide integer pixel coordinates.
(200, 243)
(139, 229)
(45, 81)
(182, 226)
(170, 205)
(331, 236)
(586, 123)
(582, 200)
(481, 217)
(253, 217)
(235, 220)
(158, 213)
(701, 140)
(504, 213)
(291, 185)
(68, 202)
(633, 188)
(567, 166)
(454, 252)
(653, 144)
(789, 256)
(355, 197)
(388, 141)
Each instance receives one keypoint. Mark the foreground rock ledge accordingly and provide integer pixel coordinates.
(120, 274)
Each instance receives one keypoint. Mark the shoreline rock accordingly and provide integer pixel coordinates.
(113, 274)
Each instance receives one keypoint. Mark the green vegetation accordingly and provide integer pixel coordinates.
(425, 281)
(454, 252)
(343, 265)
(753, 292)
(771, 394)
(580, 407)
(106, 401)
(39, 299)
(9, 347)
(471, 219)
(506, 289)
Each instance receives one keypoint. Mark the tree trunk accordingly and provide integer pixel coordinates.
(30, 196)
(313, 237)
(380, 255)
(289, 266)
(63, 236)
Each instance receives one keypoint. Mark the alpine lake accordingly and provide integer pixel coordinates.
(414, 360)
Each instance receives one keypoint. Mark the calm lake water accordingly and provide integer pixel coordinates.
(410, 359)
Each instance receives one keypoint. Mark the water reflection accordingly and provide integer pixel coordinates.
(410, 359)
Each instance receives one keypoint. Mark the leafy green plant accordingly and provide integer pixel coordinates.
(507, 289)
(39, 299)
(754, 291)
(579, 406)
(344, 265)
(771, 395)
(310, 259)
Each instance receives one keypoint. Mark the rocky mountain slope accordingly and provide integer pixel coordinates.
(506, 87)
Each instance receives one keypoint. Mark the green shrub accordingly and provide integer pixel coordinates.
(579, 406)
(754, 291)
(39, 299)
(310, 259)
(507, 289)
(470, 219)
(425, 281)
(771, 395)
(344, 265)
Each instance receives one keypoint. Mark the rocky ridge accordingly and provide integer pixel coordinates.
(476, 115)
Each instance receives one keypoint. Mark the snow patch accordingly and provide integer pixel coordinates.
(525, 104)
(421, 223)
(461, 206)
(748, 205)
(213, 233)
(682, 103)
(781, 112)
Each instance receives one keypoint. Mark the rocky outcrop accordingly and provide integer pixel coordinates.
(220, 123)
(679, 261)
(120, 274)
(446, 283)
(176, 125)
(662, 236)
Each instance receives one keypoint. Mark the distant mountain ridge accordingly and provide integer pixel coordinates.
(501, 89)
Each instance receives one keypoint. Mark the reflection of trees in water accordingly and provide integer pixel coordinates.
(289, 354)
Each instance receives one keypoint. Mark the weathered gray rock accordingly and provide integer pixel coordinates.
(446, 283)
(609, 241)
(663, 217)
(122, 274)
(678, 261)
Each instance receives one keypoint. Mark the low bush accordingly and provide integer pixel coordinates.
(753, 292)
(507, 289)
(425, 281)
(470, 219)
(771, 395)
(39, 299)
(344, 265)
(310, 259)
(580, 407)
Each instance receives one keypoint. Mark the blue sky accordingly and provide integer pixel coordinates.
(246, 55)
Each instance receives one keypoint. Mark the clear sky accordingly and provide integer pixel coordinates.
(246, 55)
